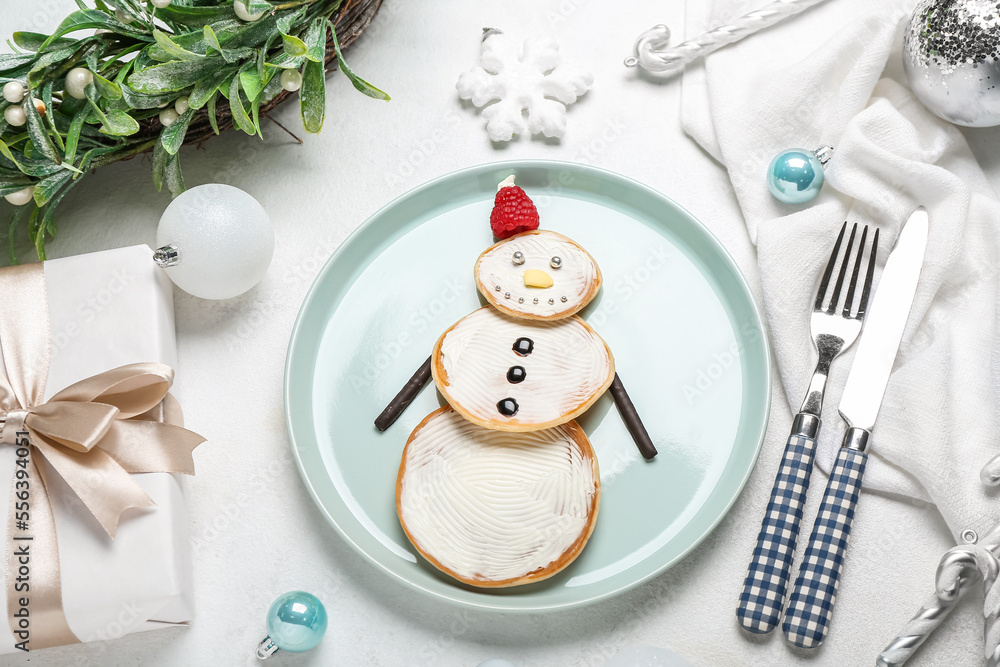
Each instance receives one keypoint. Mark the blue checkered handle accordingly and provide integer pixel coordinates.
(807, 618)
(766, 582)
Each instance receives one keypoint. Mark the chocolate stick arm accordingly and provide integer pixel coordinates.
(404, 397)
(631, 419)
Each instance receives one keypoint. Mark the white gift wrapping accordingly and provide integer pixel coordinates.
(108, 309)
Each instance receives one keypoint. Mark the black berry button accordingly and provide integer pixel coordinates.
(507, 407)
(516, 374)
(524, 346)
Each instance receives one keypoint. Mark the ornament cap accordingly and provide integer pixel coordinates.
(266, 648)
(166, 256)
(823, 154)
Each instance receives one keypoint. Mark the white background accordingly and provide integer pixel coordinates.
(257, 533)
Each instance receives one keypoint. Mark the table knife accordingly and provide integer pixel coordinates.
(810, 607)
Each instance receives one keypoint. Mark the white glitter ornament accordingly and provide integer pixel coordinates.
(951, 56)
(215, 241)
(512, 79)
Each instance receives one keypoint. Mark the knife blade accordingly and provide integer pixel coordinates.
(810, 606)
(866, 382)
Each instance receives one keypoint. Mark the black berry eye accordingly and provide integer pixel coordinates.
(524, 346)
(507, 407)
(555, 262)
(516, 374)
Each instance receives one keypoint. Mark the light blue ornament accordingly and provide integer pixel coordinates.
(296, 622)
(795, 176)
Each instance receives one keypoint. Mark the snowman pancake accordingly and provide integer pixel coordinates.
(493, 508)
(539, 275)
(512, 374)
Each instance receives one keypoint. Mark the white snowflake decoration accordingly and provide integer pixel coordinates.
(528, 85)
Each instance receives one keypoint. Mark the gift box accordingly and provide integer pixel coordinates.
(112, 575)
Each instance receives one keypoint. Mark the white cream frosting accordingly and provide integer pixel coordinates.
(572, 280)
(567, 369)
(492, 505)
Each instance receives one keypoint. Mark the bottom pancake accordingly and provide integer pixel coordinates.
(496, 508)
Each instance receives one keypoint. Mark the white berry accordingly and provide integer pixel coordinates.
(123, 17)
(291, 79)
(182, 104)
(167, 117)
(40, 107)
(22, 196)
(243, 13)
(77, 80)
(161, 4)
(13, 91)
(15, 116)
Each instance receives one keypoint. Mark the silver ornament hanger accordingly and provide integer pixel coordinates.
(652, 51)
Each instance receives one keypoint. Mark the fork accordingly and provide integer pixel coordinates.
(766, 583)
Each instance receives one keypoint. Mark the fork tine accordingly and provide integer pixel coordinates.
(866, 292)
(843, 271)
(849, 301)
(825, 282)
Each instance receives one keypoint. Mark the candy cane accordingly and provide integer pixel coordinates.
(954, 578)
(651, 50)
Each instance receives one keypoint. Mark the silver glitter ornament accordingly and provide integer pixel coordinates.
(951, 56)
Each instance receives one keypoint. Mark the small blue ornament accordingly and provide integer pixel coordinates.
(796, 175)
(296, 622)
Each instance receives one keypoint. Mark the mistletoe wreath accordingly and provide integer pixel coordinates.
(154, 75)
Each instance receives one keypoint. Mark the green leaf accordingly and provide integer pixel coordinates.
(172, 136)
(37, 235)
(32, 41)
(139, 101)
(205, 88)
(15, 220)
(46, 188)
(240, 116)
(38, 132)
(312, 97)
(250, 83)
(115, 122)
(256, 6)
(173, 176)
(315, 40)
(89, 19)
(211, 39)
(294, 46)
(210, 108)
(10, 61)
(160, 156)
(173, 49)
(119, 124)
(108, 89)
(195, 17)
(359, 83)
(5, 151)
(175, 75)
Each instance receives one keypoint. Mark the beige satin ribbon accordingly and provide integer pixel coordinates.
(92, 434)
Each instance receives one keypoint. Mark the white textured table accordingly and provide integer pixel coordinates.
(257, 533)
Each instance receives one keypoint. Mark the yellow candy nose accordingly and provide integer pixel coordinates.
(536, 278)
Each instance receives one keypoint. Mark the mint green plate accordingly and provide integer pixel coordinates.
(678, 316)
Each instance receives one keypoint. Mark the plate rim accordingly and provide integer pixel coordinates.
(370, 221)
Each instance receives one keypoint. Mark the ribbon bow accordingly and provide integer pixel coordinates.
(97, 431)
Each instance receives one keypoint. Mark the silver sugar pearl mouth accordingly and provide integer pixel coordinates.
(536, 300)
(517, 258)
(555, 262)
(498, 288)
(506, 295)
(564, 299)
(551, 301)
(520, 299)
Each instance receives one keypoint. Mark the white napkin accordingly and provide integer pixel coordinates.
(833, 75)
